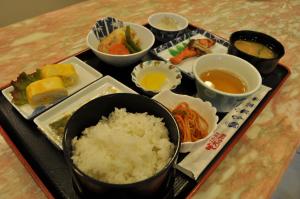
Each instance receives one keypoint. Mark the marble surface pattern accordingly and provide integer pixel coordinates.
(255, 165)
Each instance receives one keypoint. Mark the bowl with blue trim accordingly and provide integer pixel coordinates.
(167, 26)
(225, 100)
(108, 39)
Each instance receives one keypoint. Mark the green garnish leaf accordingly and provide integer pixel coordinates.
(173, 52)
(177, 49)
(23, 80)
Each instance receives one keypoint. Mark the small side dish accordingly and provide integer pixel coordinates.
(196, 119)
(44, 86)
(195, 48)
(177, 52)
(59, 81)
(154, 76)
(191, 124)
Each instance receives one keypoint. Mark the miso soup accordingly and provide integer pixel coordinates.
(223, 81)
(254, 49)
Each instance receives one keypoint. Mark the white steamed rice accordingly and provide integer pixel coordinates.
(123, 148)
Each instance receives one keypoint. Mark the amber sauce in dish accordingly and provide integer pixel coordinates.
(223, 81)
(153, 80)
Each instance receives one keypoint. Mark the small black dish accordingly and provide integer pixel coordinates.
(89, 115)
(263, 65)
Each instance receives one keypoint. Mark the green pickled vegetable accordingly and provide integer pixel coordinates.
(59, 125)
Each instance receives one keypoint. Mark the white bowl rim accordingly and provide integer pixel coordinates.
(175, 70)
(224, 93)
(170, 14)
(112, 55)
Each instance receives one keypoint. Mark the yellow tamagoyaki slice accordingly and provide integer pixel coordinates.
(64, 71)
(45, 91)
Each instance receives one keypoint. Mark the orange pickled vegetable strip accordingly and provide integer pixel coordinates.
(192, 126)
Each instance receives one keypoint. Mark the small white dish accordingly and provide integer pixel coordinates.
(86, 75)
(158, 75)
(204, 109)
(104, 86)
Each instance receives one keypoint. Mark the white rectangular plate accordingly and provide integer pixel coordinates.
(103, 86)
(186, 66)
(86, 76)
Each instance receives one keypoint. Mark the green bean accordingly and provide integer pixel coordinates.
(131, 50)
(130, 41)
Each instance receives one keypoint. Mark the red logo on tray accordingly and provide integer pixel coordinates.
(215, 141)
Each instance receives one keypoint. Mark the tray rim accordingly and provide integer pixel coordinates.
(26, 164)
(211, 168)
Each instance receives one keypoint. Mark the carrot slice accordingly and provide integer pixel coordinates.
(118, 49)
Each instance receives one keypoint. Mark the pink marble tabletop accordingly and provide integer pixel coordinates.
(257, 162)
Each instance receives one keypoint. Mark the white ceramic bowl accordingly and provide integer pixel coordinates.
(204, 109)
(166, 34)
(171, 72)
(225, 102)
(145, 36)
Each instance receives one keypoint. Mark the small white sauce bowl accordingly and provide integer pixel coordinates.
(223, 101)
(204, 109)
(172, 73)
